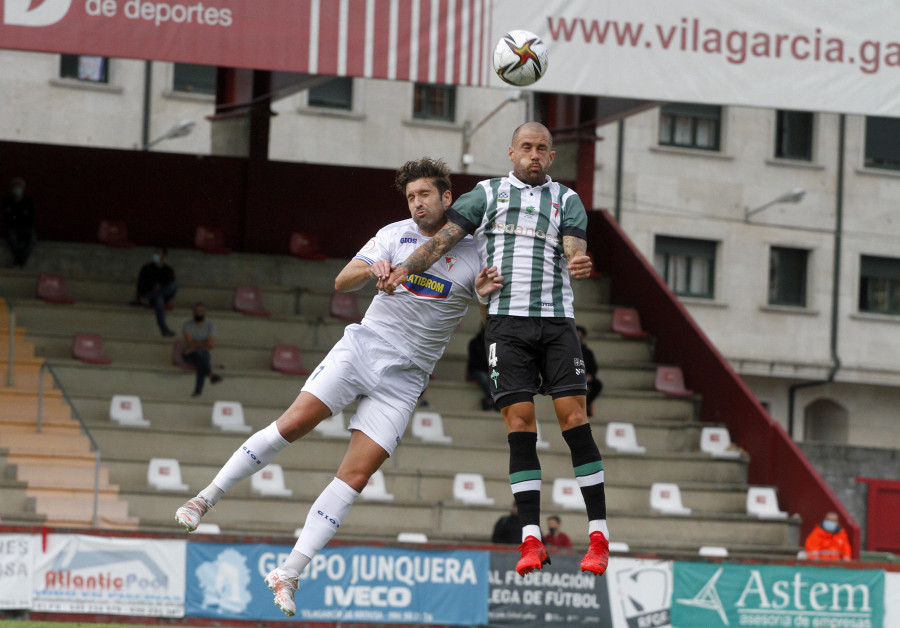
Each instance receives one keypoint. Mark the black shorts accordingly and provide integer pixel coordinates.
(533, 355)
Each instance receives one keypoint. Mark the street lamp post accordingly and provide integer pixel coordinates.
(180, 129)
(794, 196)
(469, 130)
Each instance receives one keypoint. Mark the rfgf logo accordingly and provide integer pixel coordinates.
(34, 12)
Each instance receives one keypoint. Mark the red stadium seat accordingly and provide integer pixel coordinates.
(670, 380)
(52, 288)
(345, 306)
(627, 322)
(211, 240)
(305, 246)
(249, 300)
(114, 233)
(89, 348)
(178, 356)
(288, 359)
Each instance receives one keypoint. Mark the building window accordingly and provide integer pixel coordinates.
(690, 126)
(883, 143)
(787, 276)
(793, 135)
(686, 265)
(879, 285)
(334, 94)
(194, 79)
(84, 68)
(434, 102)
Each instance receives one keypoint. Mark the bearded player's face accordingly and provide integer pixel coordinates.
(427, 205)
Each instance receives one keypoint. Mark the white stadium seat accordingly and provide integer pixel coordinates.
(228, 416)
(429, 428)
(716, 441)
(333, 427)
(567, 494)
(469, 489)
(269, 482)
(618, 547)
(376, 489)
(763, 502)
(541, 443)
(164, 474)
(666, 498)
(622, 438)
(208, 528)
(412, 537)
(127, 410)
(713, 551)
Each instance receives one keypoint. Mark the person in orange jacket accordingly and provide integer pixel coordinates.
(828, 540)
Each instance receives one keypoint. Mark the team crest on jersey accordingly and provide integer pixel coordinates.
(450, 259)
(530, 209)
(503, 197)
(368, 246)
(426, 285)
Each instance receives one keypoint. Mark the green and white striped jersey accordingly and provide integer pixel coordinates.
(519, 229)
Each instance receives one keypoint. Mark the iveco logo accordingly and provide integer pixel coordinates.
(22, 13)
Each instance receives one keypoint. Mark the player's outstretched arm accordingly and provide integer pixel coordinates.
(576, 253)
(424, 256)
(357, 273)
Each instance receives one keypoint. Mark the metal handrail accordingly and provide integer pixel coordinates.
(40, 418)
(12, 337)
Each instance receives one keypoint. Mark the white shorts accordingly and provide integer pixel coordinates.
(364, 365)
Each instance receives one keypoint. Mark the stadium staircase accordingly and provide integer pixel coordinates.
(420, 475)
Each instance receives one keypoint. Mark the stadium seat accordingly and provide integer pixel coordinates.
(619, 547)
(269, 482)
(412, 537)
(666, 498)
(305, 246)
(52, 289)
(288, 359)
(713, 551)
(249, 300)
(627, 322)
(567, 494)
(89, 348)
(670, 380)
(114, 233)
(127, 410)
(345, 306)
(228, 416)
(164, 474)
(376, 489)
(429, 427)
(716, 441)
(622, 438)
(333, 427)
(211, 240)
(763, 502)
(208, 528)
(178, 356)
(541, 443)
(469, 489)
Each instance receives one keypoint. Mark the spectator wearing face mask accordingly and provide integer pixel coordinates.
(828, 540)
(199, 339)
(18, 222)
(156, 288)
(556, 537)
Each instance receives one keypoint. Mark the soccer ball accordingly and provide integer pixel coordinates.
(520, 58)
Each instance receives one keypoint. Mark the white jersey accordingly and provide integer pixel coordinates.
(421, 315)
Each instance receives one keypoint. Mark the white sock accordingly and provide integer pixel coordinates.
(324, 518)
(531, 530)
(598, 525)
(296, 561)
(256, 452)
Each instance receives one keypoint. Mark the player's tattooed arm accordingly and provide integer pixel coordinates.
(576, 254)
(424, 256)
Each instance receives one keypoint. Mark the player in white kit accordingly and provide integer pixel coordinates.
(384, 361)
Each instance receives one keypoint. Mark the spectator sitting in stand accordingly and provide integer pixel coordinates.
(199, 340)
(555, 536)
(477, 369)
(594, 385)
(508, 529)
(828, 540)
(18, 222)
(156, 288)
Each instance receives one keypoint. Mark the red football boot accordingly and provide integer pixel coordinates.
(534, 556)
(597, 556)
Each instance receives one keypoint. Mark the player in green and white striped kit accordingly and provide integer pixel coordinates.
(533, 230)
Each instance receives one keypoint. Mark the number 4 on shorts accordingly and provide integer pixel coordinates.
(492, 355)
